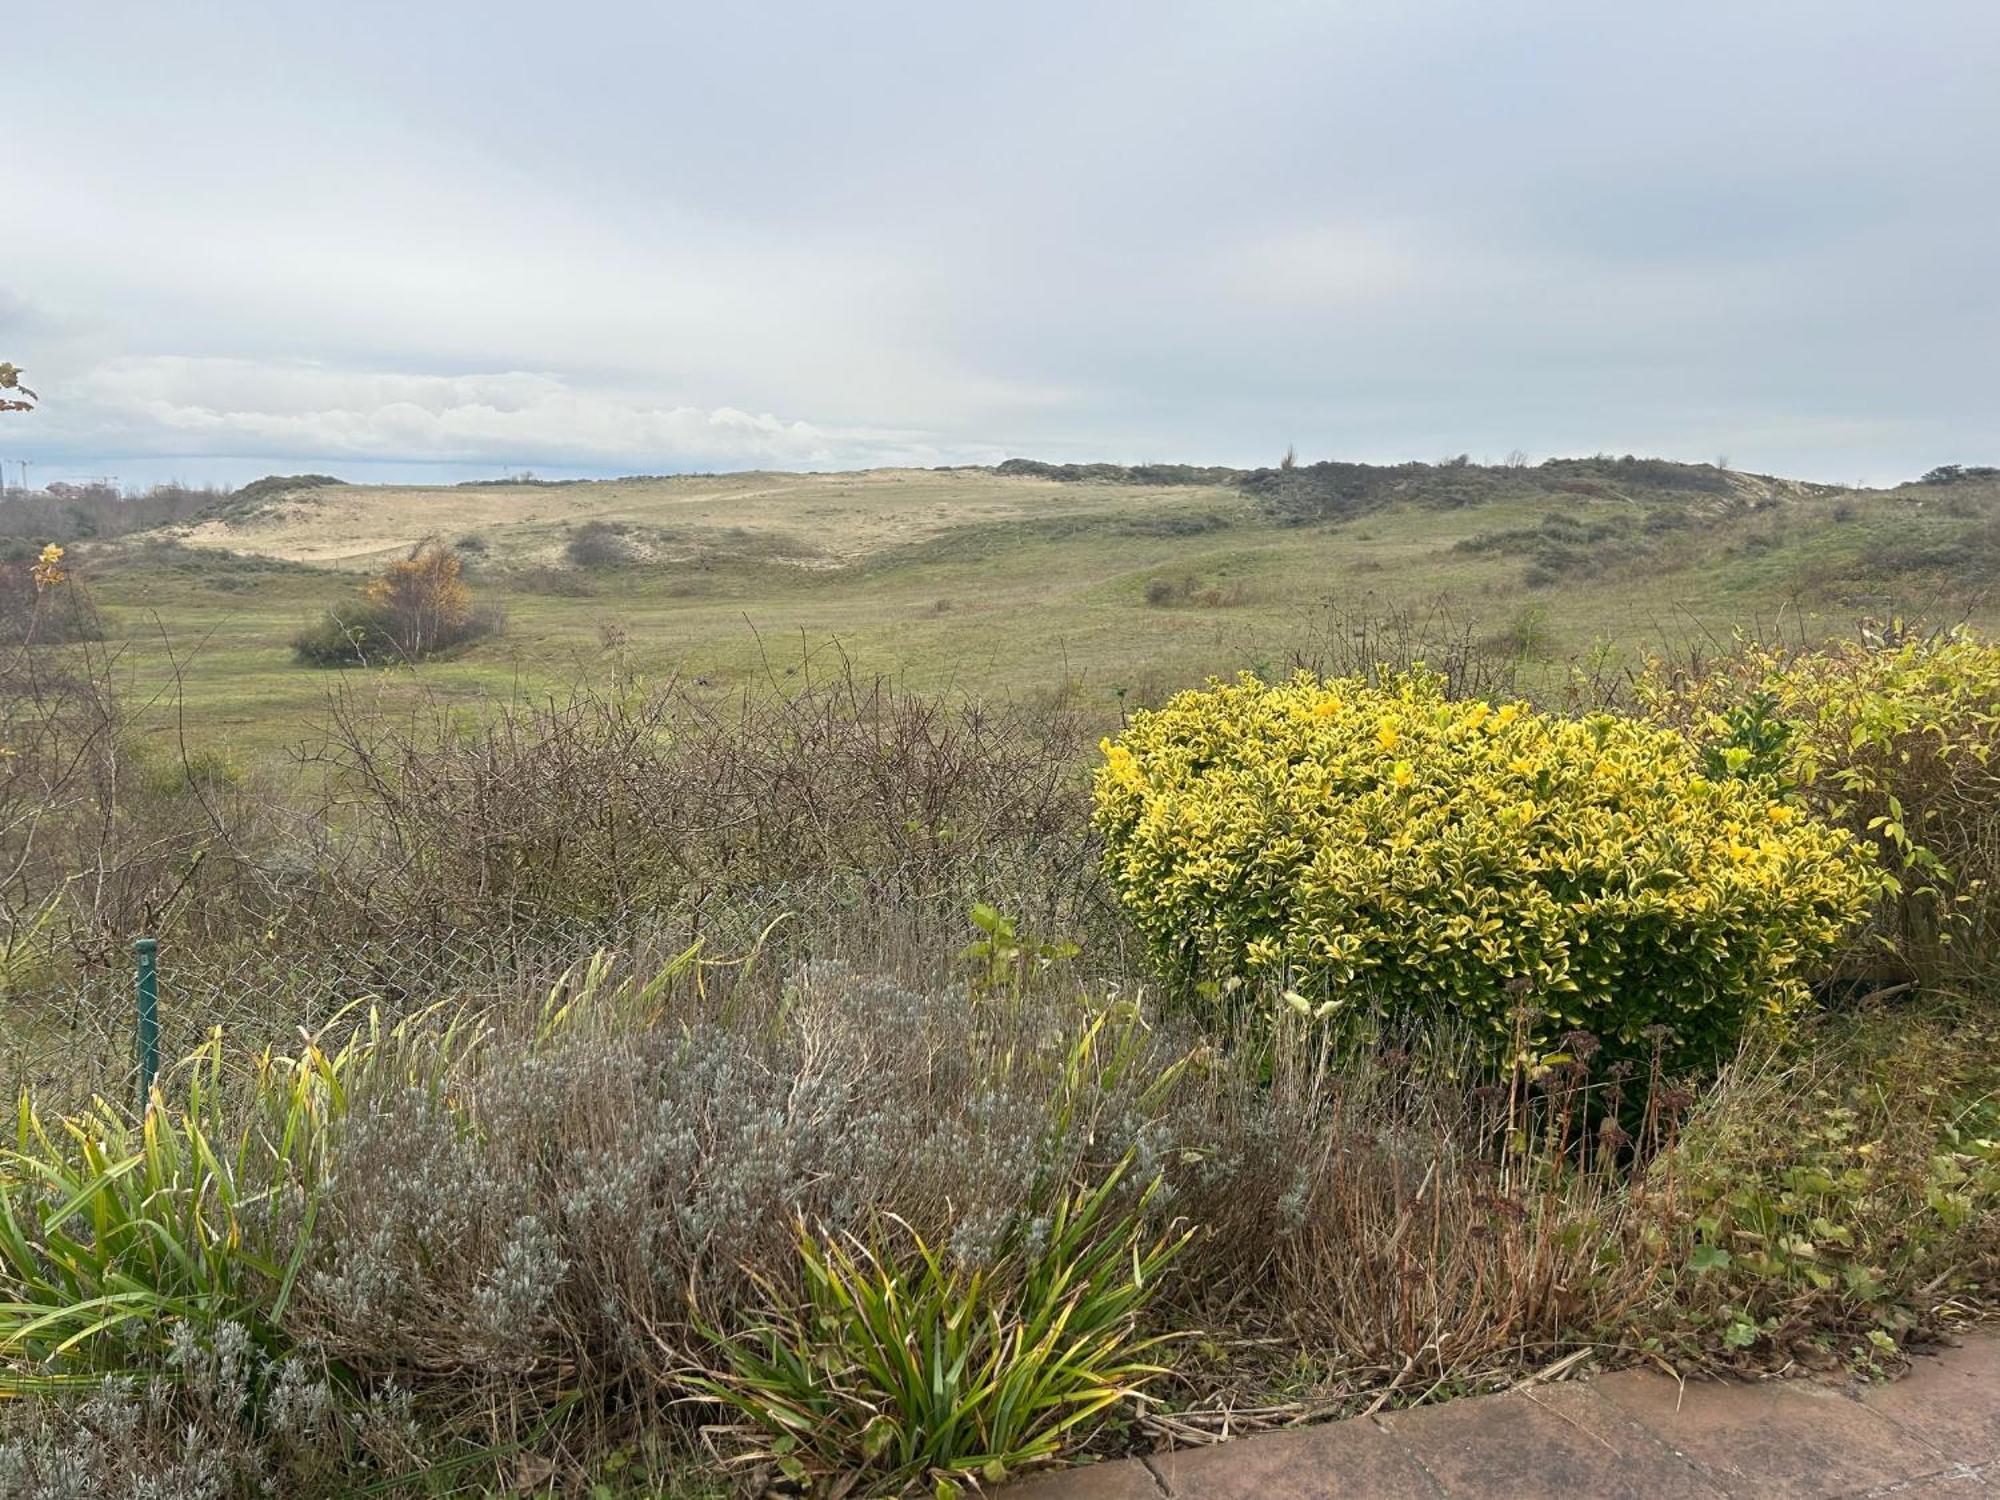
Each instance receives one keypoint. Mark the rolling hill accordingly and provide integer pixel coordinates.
(1118, 582)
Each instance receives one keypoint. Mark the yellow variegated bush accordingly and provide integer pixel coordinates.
(1386, 848)
(1897, 740)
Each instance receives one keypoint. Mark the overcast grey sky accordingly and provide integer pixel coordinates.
(414, 239)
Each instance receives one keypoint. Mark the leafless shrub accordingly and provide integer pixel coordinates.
(105, 832)
(603, 805)
(597, 545)
(1370, 641)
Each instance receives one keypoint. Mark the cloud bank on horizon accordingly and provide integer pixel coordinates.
(403, 242)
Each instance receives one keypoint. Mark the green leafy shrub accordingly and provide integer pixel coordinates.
(1003, 957)
(905, 1367)
(1389, 851)
(1896, 740)
(362, 634)
(356, 633)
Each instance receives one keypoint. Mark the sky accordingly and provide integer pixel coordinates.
(448, 240)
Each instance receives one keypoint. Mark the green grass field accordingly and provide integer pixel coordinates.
(994, 583)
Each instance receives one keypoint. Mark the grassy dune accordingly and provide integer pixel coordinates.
(1010, 584)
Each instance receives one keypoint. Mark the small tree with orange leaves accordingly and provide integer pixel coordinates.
(419, 605)
(423, 599)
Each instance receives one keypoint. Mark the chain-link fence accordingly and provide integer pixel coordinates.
(75, 1035)
(78, 1037)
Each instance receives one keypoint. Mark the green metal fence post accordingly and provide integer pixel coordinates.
(147, 950)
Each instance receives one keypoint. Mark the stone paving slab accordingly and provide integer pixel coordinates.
(1951, 1401)
(1785, 1440)
(1635, 1435)
(1525, 1444)
(1328, 1462)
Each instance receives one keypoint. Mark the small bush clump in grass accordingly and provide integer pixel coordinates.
(1526, 638)
(417, 607)
(599, 544)
(352, 634)
(552, 582)
(1564, 544)
(1191, 592)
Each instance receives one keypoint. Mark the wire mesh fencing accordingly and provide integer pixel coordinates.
(79, 1037)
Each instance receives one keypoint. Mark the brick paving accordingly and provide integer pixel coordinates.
(1634, 1435)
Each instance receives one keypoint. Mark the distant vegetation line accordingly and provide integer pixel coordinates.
(99, 510)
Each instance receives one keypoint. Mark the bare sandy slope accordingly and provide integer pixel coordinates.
(828, 518)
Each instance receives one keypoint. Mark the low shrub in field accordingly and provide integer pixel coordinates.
(1897, 741)
(1188, 591)
(1388, 851)
(600, 544)
(347, 635)
(418, 606)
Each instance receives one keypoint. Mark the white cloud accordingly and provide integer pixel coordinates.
(917, 233)
(212, 407)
